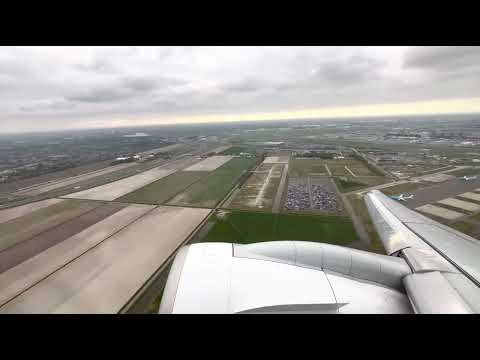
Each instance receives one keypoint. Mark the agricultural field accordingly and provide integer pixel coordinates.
(209, 164)
(259, 191)
(349, 183)
(116, 189)
(246, 227)
(403, 188)
(276, 160)
(438, 211)
(306, 167)
(25, 227)
(52, 185)
(354, 171)
(358, 204)
(235, 150)
(12, 213)
(19, 278)
(113, 271)
(465, 227)
(164, 189)
(209, 191)
(30, 243)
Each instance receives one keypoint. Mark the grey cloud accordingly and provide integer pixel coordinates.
(354, 70)
(109, 82)
(102, 95)
(126, 88)
(441, 58)
(335, 74)
(140, 84)
(145, 84)
(245, 86)
(54, 105)
(98, 66)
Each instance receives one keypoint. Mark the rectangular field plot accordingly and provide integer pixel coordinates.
(305, 167)
(341, 167)
(440, 212)
(23, 250)
(245, 227)
(106, 277)
(18, 211)
(260, 189)
(21, 277)
(276, 160)
(350, 183)
(471, 195)
(210, 190)
(23, 228)
(210, 163)
(116, 189)
(464, 205)
(42, 188)
(221, 149)
(312, 194)
(164, 189)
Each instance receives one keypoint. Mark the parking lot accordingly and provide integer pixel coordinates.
(312, 194)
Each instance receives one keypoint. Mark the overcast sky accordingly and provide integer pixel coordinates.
(49, 88)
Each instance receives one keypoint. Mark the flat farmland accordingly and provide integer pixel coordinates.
(21, 277)
(112, 272)
(235, 150)
(276, 160)
(25, 227)
(116, 189)
(305, 167)
(350, 183)
(246, 227)
(342, 167)
(52, 185)
(260, 188)
(29, 247)
(16, 212)
(210, 163)
(164, 189)
(210, 190)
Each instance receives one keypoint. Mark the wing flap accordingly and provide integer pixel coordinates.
(434, 253)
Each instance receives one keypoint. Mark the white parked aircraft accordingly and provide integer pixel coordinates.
(430, 268)
(468, 178)
(402, 197)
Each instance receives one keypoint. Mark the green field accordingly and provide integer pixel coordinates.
(345, 180)
(402, 188)
(464, 227)
(305, 167)
(359, 207)
(164, 189)
(210, 190)
(348, 184)
(246, 227)
(234, 150)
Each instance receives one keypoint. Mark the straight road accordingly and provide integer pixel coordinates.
(277, 204)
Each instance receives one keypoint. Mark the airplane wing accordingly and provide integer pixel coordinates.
(445, 263)
(429, 268)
